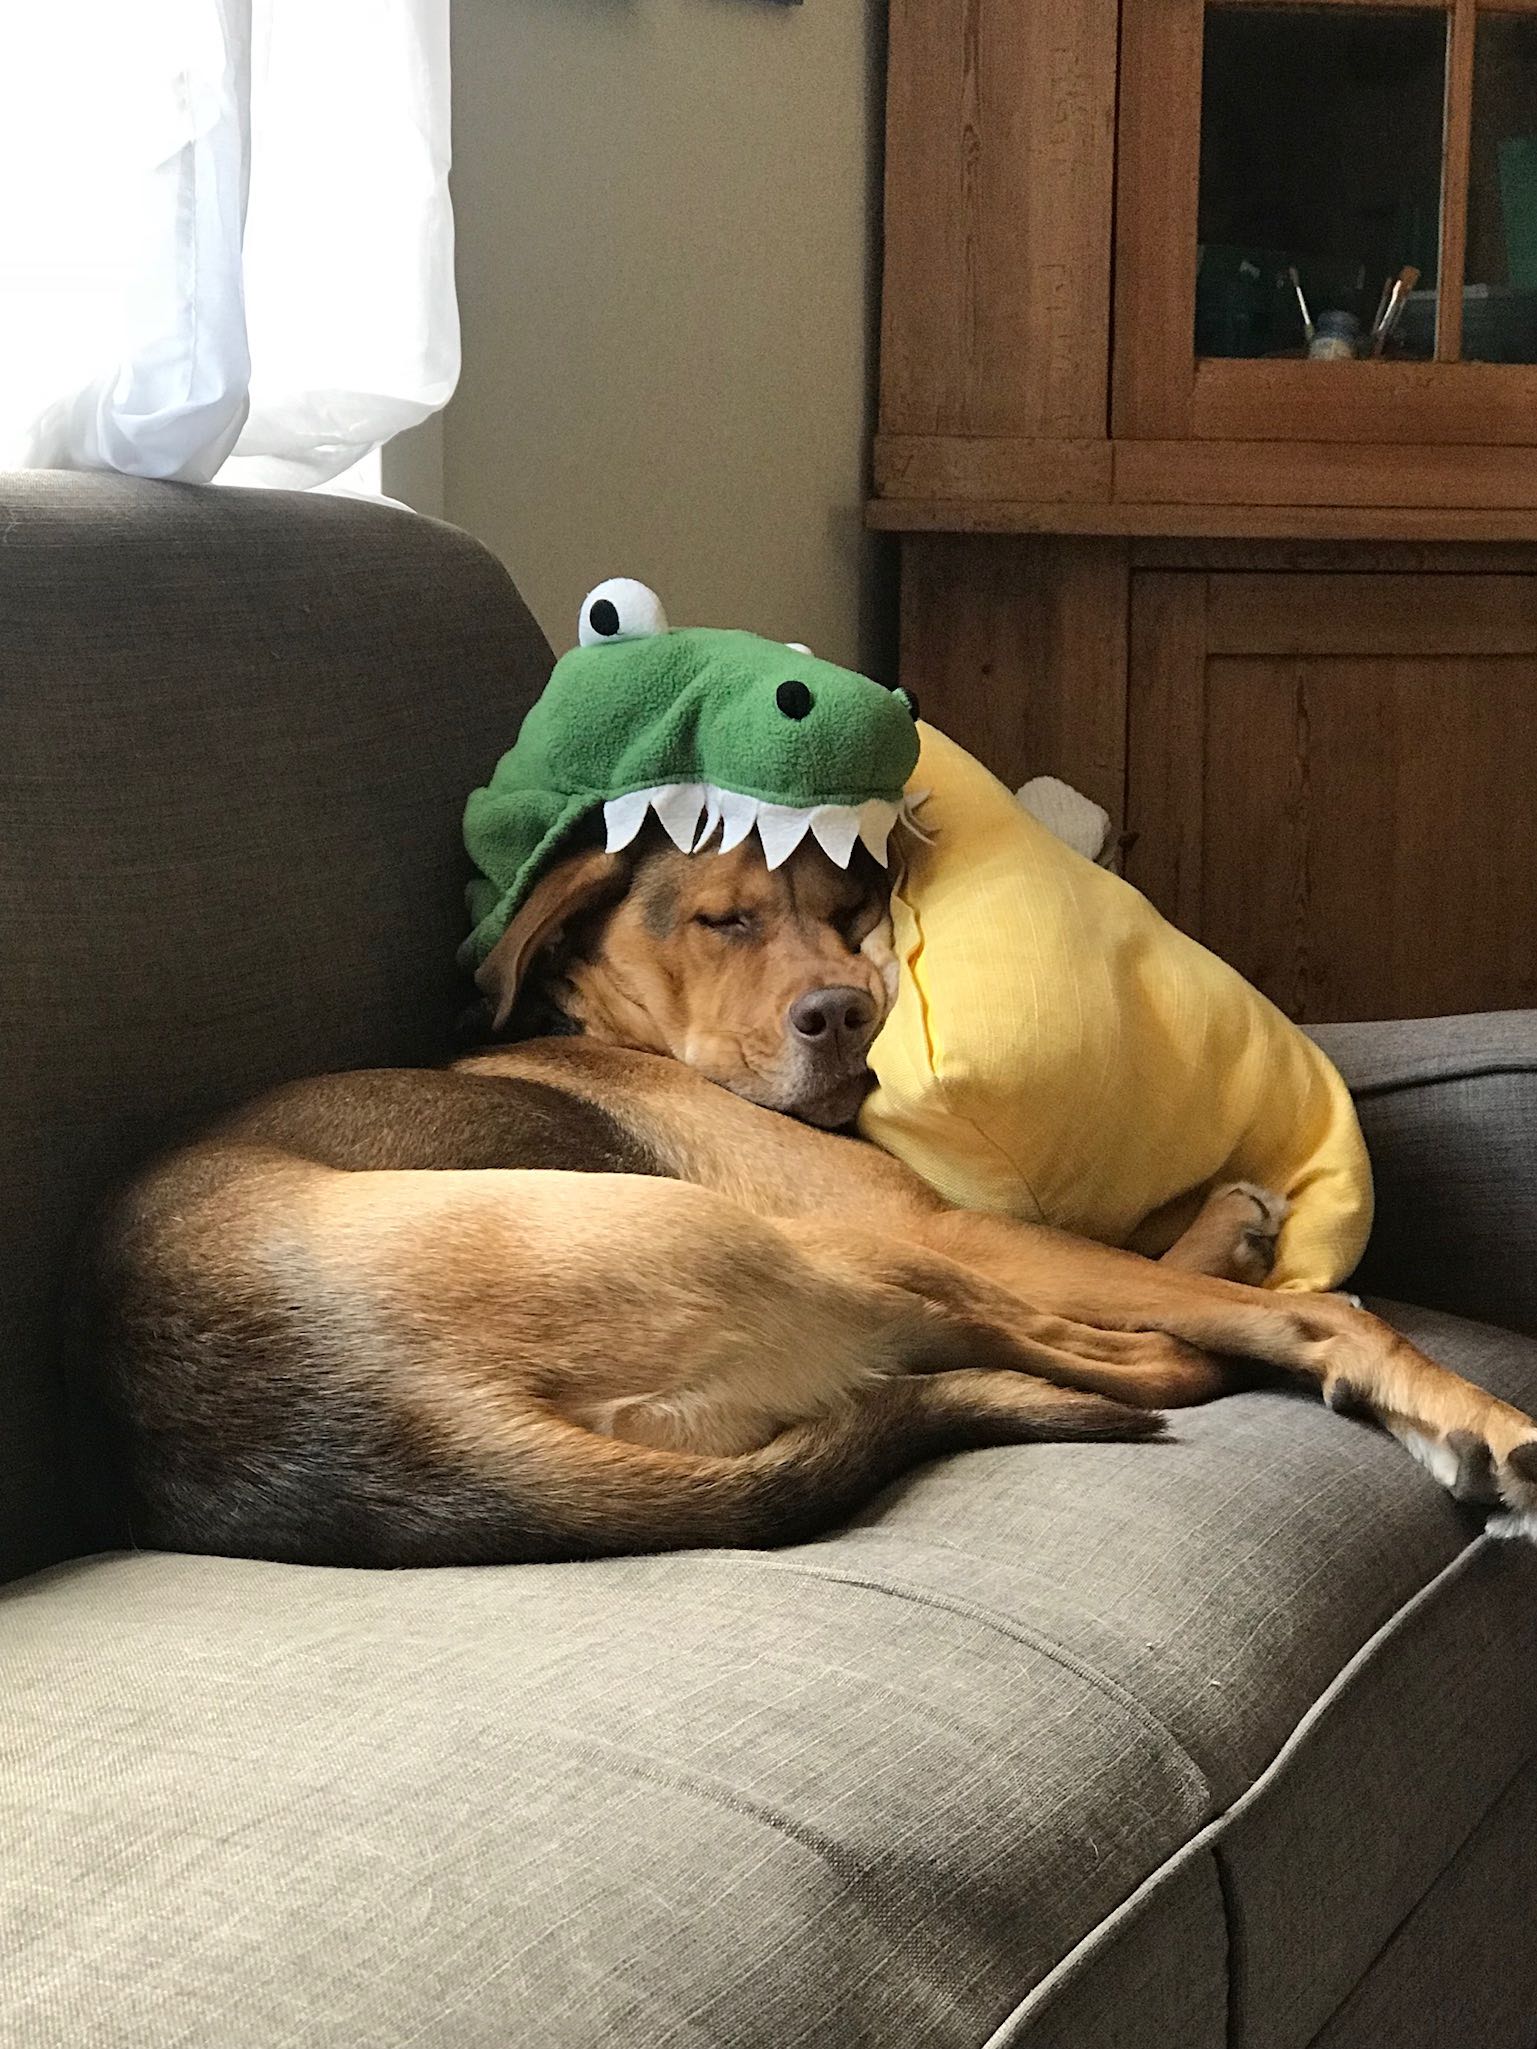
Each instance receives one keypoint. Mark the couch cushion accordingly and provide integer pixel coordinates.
(702, 1800)
(880, 1788)
(236, 733)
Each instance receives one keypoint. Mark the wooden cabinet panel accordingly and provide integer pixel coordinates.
(1158, 148)
(1017, 649)
(996, 309)
(1322, 477)
(1486, 406)
(1194, 585)
(968, 468)
(1344, 614)
(1334, 780)
(1165, 742)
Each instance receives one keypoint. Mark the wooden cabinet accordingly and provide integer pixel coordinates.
(1271, 610)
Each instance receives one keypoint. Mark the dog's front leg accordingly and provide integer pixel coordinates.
(1481, 1448)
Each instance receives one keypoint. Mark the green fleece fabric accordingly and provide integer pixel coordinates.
(706, 709)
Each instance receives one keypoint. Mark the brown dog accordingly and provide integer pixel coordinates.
(592, 1293)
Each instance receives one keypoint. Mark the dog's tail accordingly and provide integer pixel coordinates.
(575, 1494)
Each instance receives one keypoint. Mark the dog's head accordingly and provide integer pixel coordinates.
(772, 983)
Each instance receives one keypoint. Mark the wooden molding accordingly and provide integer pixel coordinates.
(1157, 184)
(1339, 615)
(1335, 558)
(1436, 6)
(970, 467)
(1425, 524)
(1411, 405)
(1438, 479)
(1457, 137)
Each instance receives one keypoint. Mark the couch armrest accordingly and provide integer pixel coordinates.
(1449, 1108)
(237, 730)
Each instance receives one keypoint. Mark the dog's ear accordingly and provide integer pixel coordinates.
(579, 884)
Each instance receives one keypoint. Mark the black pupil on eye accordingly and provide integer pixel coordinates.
(604, 617)
(793, 699)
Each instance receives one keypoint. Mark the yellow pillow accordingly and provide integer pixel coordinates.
(1060, 1052)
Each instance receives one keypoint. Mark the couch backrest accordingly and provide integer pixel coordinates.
(237, 729)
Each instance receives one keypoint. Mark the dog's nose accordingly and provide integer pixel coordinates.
(835, 1020)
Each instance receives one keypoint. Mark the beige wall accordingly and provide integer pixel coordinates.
(665, 253)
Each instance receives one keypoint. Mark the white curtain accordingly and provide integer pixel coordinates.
(225, 240)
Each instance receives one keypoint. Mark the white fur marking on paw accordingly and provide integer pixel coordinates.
(1439, 1460)
(1511, 1525)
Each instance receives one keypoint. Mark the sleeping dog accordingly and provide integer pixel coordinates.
(629, 1284)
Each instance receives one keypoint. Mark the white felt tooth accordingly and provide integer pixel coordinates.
(738, 816)
(876, 818)
(836, 828)
(781, 828)
(712, 818)
(624, 817)
(680, 806)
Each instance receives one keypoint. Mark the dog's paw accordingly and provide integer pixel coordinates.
(1516, 1479)
(1467, 1469)
(1465, 1462)
(1261, 1214)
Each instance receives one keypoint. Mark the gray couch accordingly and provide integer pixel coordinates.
(1229, 1741)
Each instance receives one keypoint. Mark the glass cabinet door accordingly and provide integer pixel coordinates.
(1320, 179)
(1327, 221)
(1499, 295)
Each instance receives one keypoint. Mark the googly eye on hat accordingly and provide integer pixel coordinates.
(620, 609)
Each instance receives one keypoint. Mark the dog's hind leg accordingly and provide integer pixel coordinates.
(1147, 1369)
(714, 1377)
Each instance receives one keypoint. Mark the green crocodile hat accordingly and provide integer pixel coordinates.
(717, 732)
